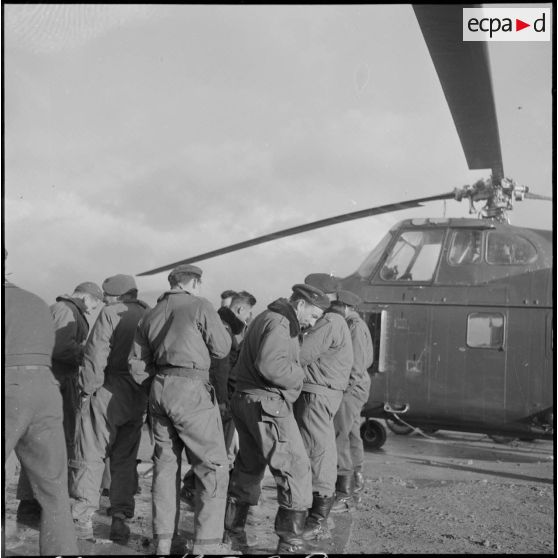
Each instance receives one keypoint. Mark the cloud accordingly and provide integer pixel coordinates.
(48, 28)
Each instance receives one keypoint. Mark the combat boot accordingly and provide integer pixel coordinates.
(119, 530)
(358, 485)
(29, 513)
(236, 514)
(343, 494)
(316, 522)
(289, 525)
(358, 479)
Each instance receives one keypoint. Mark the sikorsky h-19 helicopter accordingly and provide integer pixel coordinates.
(460, 310)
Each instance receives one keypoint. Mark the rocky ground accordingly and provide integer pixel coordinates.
(443, 494)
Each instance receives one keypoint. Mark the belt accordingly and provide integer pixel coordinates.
(184, 372)
(243, 394)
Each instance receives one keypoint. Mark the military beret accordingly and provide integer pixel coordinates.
(90, 288)
(312, 295)
(186, 268)
(323, 281)
(227, 294)
(119, 284)
(348, 298)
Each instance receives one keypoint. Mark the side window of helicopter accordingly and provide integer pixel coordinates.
(414, 256)
(485, 330)
(509, 249)
(466, 247)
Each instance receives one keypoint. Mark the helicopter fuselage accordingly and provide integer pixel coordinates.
(461, 315)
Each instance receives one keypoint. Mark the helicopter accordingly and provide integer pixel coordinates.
(448, 301)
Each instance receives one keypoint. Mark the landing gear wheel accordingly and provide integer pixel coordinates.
(373, 434)
(398, 428)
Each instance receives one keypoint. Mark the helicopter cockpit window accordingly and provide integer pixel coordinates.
(485, 330)
(506, 249)
(369, 264)
(465, 247)
(414, 256)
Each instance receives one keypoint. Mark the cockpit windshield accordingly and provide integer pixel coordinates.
(371, 262)
(414, 256)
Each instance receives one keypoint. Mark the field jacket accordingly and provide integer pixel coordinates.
(327, 354)
(363, 350)
(183, 331)
(269, 358)
(107, 349)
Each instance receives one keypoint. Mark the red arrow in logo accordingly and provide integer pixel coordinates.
(519, 25)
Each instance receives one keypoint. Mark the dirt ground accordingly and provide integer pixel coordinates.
(448, 493)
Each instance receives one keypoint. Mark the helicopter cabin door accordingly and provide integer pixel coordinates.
(468, 337)
(467, 380)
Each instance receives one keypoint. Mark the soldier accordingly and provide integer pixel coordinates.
(347, 420)
(268, 381)
(71, 329)
(327, 356)
(70, 320)
(172, 352)
(33, 415)
(226, 298)
(234, 318)
(112, 412)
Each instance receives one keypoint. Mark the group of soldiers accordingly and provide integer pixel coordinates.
(283, 390)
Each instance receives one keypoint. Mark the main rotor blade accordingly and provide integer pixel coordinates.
(303, 228)
(464, 72)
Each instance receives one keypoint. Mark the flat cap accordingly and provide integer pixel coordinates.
(119, 284)
(90, 288)
(312, 295)
(348, 298)
(186, 268)
(323, 281)
(227, 294)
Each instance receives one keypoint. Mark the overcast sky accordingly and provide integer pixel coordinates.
(139, 135)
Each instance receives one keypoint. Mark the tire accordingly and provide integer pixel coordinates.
(398, 428)
(373, 434)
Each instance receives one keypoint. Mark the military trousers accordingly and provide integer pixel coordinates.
(70, 399)
(346, 421)
(185, 416)
(269, 436)
(314, 414)
(33, 428)
(109, 425)
(231, 445)
(70, 403)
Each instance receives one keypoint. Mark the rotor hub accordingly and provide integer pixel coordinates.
(498, 195)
